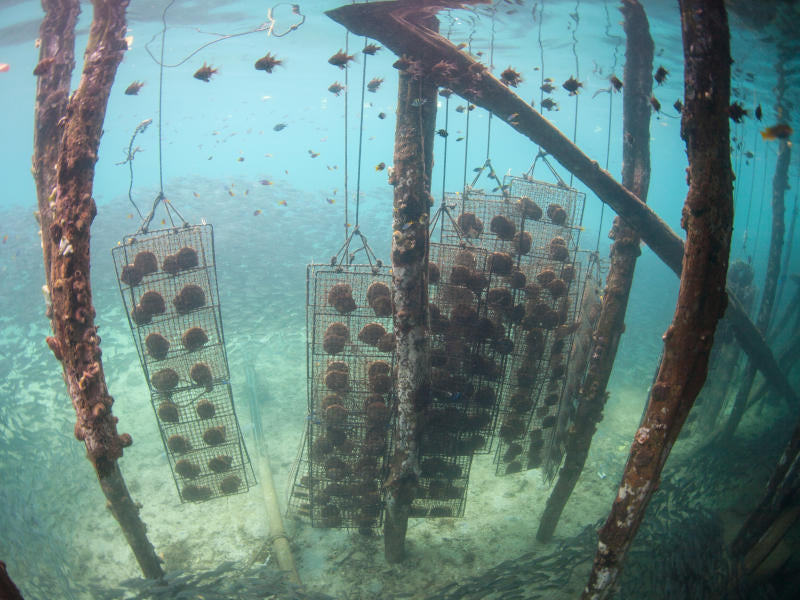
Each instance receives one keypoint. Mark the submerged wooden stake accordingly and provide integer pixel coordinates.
(637, 89)
(388, 23)
(413, 160)
(67, 136)
(708, 220)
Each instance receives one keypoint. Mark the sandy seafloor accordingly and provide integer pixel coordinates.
(263, 305)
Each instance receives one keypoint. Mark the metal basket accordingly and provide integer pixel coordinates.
(168, 283)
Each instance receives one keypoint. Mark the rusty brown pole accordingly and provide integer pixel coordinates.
(708, 220)
(780, 183)
(413, 161)
(387, 22)
(8, 591)
(637, 89)
(67, 137)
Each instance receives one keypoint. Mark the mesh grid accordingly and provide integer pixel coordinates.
(350, 380)
(169, 289)
(533, 226)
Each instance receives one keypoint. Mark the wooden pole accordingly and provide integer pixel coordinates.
(780, 183)
(67, 136)
(8, 591)
(708, 220)
(413, 161)
(388, 23)
(637, 89)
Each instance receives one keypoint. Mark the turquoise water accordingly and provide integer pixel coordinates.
(219, 145)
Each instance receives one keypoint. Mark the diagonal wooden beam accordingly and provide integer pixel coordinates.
(388, 22)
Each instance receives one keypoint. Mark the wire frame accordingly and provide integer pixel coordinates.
(168, 283)
(350, 393)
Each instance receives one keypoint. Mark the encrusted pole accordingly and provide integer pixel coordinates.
(413, 161)
(388, 23)
(637, 89)
(67, 136)
(708, 220)
(780, 183)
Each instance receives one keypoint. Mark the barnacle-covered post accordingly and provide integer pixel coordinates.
(708, 221)
(67, 138)
(637, 89)
(413, 160)
(387, 22)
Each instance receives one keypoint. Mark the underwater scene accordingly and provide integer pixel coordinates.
(369, 325)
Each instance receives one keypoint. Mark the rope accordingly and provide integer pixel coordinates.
(761, 207)
(268, 26)
(750, 196)
(577, 20)
(346, 162)
(491, 69)
(361, 132)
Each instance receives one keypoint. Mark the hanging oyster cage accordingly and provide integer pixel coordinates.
(168, 283)
(530, 233)
(350, 364)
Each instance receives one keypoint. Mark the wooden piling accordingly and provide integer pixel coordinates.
(637, 89)
(708, 220)
(413, 161)
(67, 137)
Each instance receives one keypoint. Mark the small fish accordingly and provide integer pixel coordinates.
(231, 193)
(280, 127)
(267, 62)
(330, 200)
(335, 88)
(460, 139)
(441, 133)
(572, 85)
(615, 81)
(736, 112)
(374, 84)
(445, 92)
(130, 215)
(133, 88)
(748, 154)
(678, 106)
(759, 113)
(781, 131)
(283, 203)
(129, 41)
(5, 237)
(547, 88)
(265, 182)
(655, 104)
(205, 72)
(461, 46)
(195, 194)
(471, 107)
(460, 108)
(313, 154)
(340, 59)
(510, 77)
(381, 115)
(549, 104)
(256, 212)
(417, 102)
(660, 75)
(371, 49)
(240, 159)
(380, 166)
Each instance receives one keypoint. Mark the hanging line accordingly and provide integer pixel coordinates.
(346, 161)
(543, 155)
(361, 130)
(491, 70)
(268, 26)
(750, 195)
(466, 126)
(344, 256)
(577, 20)
(610, 112)
(761, 205)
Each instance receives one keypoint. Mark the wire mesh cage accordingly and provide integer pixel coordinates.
(168, 283)
(350, 393)
(530, 235)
